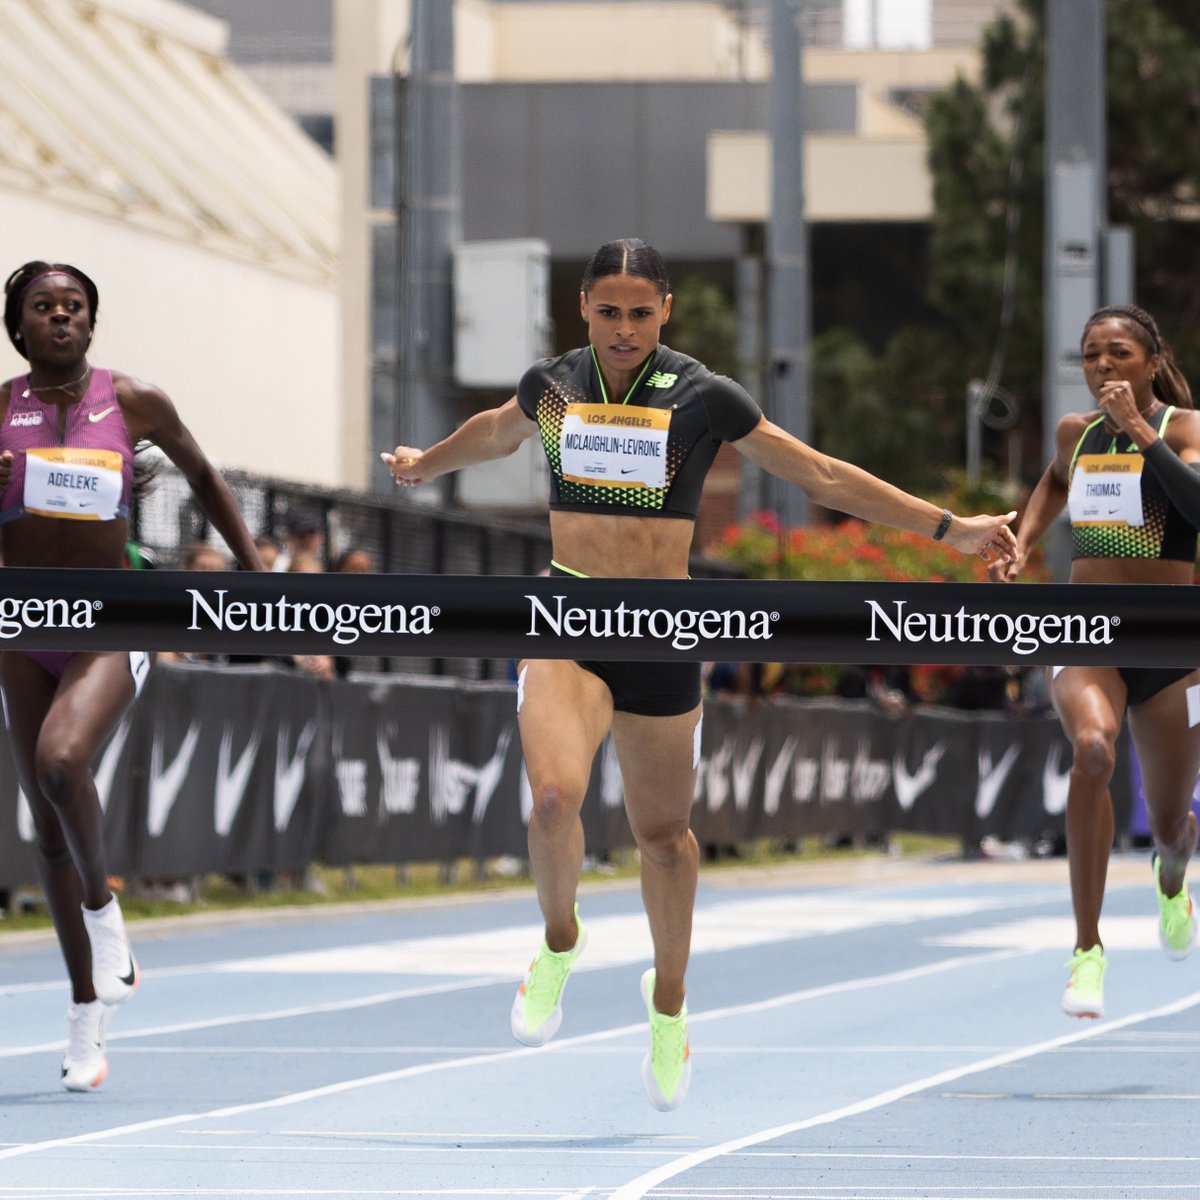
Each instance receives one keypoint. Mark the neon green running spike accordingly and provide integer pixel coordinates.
(1176, 920)
(1084, 996)
(537, 1009)
(667, 1069)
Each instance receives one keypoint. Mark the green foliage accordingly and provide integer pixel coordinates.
(704, 325)
(898, 415)
(1153, 136)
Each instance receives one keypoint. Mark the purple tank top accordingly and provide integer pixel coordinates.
(87, 476)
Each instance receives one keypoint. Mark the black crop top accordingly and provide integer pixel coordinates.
(1119, 510)
(646, 456)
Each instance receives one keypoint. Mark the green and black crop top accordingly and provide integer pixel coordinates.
(646, 455)
(1119, 510)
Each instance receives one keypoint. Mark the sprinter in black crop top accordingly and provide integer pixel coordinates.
(1127, 475)
(630, 429)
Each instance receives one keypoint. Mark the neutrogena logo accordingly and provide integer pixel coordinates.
(683, 628)
(1024, 632)
(345, 623)
(17, 616)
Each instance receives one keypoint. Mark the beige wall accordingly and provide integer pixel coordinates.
(249, 356)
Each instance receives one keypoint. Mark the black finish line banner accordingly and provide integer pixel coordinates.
(456, 616)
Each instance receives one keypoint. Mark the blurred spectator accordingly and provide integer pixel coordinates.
(354, 562)
(304, 534)
(319, 666)
(268, 550)
(199, 556)
(350, 562)
(890, 687)
(980, 689)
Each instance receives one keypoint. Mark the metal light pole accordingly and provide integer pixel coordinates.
(787, 381)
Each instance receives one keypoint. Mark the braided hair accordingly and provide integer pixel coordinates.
(17, 285)
(1168, 384)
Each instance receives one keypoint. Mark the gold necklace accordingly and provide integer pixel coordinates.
(57, 387)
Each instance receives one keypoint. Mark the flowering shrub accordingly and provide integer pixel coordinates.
(854, 550)
(850, 550)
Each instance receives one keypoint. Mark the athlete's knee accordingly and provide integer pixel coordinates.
(554, 803)
(60, 771)
(1095, 756)
(53, 853)
(664, 844)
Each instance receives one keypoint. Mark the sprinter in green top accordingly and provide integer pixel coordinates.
(630, 428)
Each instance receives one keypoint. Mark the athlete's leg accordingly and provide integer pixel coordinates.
(1169, 756)
(92, 694)
(564, 713)
(1090, 702)
(28, 694)
(658, 758)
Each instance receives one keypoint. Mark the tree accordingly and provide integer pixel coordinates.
(986, 156)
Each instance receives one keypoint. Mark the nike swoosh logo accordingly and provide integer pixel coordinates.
(99, 416)
(629, 472)
(130, 979)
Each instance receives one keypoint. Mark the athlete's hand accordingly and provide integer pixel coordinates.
(988, 537)
(405, 465)
(1116, 401)
(6, 466)
(1007, 572)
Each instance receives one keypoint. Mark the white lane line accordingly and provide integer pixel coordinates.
(636, 1189)
(332, 1006)
(475, 1060)
(278, 1014)
(612, 940)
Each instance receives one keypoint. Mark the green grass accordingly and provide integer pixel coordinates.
(339, 885)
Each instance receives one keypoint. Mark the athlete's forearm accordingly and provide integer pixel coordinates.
(482, 438)
(1180, 480)
(837, 485)
(1045, 503)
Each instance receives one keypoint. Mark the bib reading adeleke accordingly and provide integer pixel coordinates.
(644, 456)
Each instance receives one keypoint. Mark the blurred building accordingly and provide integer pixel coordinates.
(584, 120)
(132, 147)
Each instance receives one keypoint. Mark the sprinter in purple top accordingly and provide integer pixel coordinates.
(67, 437)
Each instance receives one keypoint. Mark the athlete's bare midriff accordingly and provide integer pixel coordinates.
(1130, 570)
(601, 544)
(52, 542)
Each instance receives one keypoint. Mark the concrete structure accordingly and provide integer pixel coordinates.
(589, 119)
(130, 146)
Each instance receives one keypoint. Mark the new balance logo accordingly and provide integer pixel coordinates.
(661, 379)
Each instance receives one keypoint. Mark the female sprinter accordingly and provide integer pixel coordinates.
(1145, 436)
(59, 706)
(641, 529)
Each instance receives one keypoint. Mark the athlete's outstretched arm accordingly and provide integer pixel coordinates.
(1046, 500)
(843, 487)
(150, 414)
(494, 433)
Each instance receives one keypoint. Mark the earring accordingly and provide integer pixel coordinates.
(17, 336)
(1152, 375)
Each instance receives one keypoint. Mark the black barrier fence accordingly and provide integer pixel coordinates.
(240, 769)
(503, 617)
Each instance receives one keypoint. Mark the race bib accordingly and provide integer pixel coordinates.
(80, 485)
(615, 445)
(1106, 489)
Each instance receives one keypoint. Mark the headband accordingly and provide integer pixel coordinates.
(46, 275)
